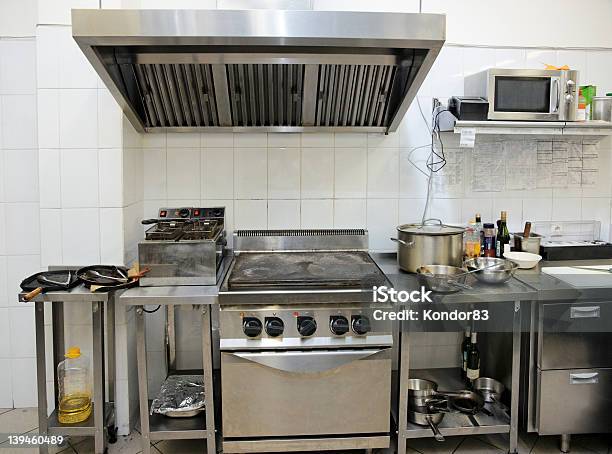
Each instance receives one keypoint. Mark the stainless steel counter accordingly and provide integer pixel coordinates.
(513, 290)
(179, 295)
(572, 286)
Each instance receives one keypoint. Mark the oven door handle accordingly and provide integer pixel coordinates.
(310, 362)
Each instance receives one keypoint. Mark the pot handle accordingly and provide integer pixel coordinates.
(402, 242)
(437, 221)
(437, 435)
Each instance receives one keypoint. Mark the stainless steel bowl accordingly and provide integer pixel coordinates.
(493, 270)
(440, 278)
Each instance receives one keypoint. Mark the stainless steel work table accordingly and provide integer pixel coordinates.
(510, 297)
(103, 416)
(159, 427)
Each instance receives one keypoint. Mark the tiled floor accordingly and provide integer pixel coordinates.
(23, 421)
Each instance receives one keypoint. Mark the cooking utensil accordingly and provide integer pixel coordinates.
(490, 388)
(425, 417)
(465, 401)
(602, 108)
(48, 281)
(442, 278)
(493, 270)
(104, 278)
(524, 260)
(601, 270)
(527, 244)
(430, 242)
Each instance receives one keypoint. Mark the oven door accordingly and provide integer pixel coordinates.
(297, 393)
(528, 95)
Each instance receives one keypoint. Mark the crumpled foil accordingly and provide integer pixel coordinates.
(180, 393)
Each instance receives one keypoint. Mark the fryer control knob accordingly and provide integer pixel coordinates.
(274, 326)
(306, 326)
(339, 325)
(361, 324)
(251, 326)
(184, 212)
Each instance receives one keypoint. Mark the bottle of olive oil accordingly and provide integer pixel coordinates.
(74, 388)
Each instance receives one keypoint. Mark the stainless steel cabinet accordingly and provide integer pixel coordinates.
(575, 336)
(570, 369)
(574, 401)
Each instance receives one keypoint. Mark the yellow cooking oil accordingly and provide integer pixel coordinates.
(74, 408)
(74, 388)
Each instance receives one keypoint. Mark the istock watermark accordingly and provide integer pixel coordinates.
(385, 294)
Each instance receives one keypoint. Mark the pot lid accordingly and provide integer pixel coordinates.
(431, 227)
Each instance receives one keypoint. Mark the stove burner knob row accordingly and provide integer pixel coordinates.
(274, 326)
(306, 326)
(339, 325)
(361, 324)
(251, 326)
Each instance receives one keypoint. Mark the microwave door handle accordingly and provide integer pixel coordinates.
(556, 89)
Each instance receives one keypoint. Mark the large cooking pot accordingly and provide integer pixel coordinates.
(429, 243)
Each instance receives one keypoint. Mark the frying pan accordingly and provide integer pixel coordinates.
(48, 281)
(104, 278)
(424, 416)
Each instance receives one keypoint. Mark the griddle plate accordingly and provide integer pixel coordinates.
(304, 270)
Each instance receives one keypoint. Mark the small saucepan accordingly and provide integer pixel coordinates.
(490, 388)
(424, 416)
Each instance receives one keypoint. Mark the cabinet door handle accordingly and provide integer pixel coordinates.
(585, 312)
(584, 378)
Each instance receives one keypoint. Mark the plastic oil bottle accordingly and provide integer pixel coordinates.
(74, 387)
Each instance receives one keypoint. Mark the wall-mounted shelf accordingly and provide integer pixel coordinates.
(593, 128)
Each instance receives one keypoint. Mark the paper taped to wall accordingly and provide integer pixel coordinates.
(534, 164)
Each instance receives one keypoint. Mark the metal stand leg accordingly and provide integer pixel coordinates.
(143, 394)
(565, 442)
(41, 371)
(111, 357)
(97, 309)
(516, 377)
(59, 347)
(170, 339)
(404, 374)
(207, 362)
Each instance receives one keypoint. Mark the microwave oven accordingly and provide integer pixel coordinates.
(527, 94)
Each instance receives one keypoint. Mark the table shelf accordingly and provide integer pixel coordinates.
(458, 423)
(166, 428)
(593, 128)
(85, 428)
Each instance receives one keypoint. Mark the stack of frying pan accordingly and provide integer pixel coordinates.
(427, 406)
(98, 278)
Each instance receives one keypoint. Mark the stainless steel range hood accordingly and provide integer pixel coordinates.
(260, 70)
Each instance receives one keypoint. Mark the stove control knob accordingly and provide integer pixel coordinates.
(183, 213)
(338, 325)
(274, 326)
(306, 326)
(251, 326)
(361, 324)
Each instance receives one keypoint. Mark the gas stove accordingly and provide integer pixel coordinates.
(297, 326)
(183, 246)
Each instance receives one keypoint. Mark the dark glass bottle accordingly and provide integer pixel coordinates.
(502, 242)
(465, 346)
(473, 361)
